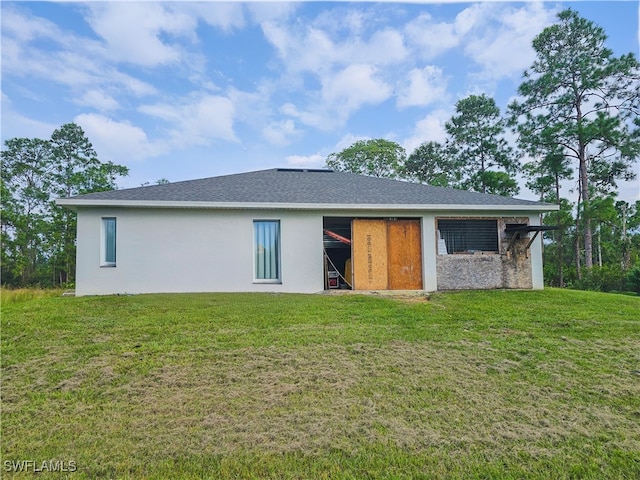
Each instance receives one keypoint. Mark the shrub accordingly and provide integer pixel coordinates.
(608, 278)
(632, 280)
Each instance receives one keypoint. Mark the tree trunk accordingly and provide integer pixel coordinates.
(599, 248)
(626, 248)
(560, 234)
(583, 181)
(584, 193)
(560, 261)
(577, 241)
(577, 254)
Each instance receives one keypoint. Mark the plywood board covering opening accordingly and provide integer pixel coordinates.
(369, 253)
(404, 251)
(387, 254)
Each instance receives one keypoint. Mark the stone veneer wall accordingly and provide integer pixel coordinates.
(485, 270)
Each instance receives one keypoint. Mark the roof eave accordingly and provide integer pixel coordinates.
(76, 203)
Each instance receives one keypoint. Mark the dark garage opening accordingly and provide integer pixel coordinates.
(336, 241)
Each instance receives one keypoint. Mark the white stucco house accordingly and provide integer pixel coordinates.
(303, 230)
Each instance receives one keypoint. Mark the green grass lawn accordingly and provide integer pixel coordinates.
(497, 384)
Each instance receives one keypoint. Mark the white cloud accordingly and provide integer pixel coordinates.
(310, 161)
(224, 15)
(197, 120)
(25, 29)
(338, 62)
(428, 38)
(353, 87)
(430, 128)
(129, 84)
(341, 94)
(496, 36)
(211, 117)
(316, 116)
(280, 133)
(313, 49)
(255, 109)
(321, 69)
(348, 140)
(473, 17)
(75, 70)
(422, 87)
(69, 60)
(99, 100)
(136, 32)
(268, 11)
(118, 142)
(385, 47)
(503, 48)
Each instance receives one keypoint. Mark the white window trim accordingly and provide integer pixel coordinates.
(103, 243)
(272, 281)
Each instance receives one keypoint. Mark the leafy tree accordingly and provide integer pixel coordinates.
(632, 280)
(160, 181)
(376, 158)
(605, 216)
(478, 146)
(545, 176)
(25, 204)
(629, 222)
(431, 164)
(38, 237)
(556, 253)
(581, 101)
(495, 183)
(76, 170)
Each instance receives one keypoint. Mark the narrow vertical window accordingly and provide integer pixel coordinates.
(267, 250)
(108, 242)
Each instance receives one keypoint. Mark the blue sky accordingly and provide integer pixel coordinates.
(184, 90)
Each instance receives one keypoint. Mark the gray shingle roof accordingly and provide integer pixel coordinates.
(294, 186)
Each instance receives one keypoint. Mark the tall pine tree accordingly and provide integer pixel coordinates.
(477, 144)
(580, 100)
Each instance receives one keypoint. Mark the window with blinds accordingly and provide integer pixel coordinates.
(267, 250)
(468, 236)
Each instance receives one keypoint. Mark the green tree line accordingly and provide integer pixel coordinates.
(38, 237)
(576, 119)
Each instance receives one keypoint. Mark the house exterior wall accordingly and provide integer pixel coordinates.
(429, 249)
(516, 268)
(183, 250)
(208, 250)
(535, 253)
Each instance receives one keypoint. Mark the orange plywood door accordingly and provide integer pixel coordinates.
(369, 254)
(404, 255)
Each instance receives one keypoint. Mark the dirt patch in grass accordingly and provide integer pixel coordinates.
(407, 296)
